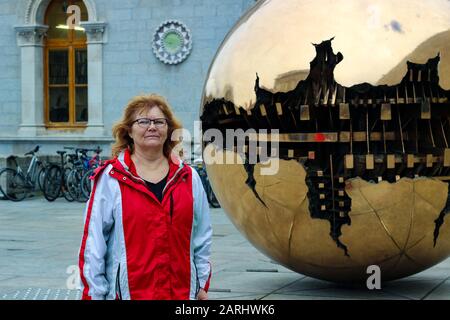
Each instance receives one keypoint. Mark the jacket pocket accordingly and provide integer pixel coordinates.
(118, 291)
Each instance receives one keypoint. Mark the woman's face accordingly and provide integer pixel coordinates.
(149, 130)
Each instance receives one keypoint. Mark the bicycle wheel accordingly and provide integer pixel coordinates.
(86, 184)
(52, 183)
(13, 185)
(64, 188)
(41, 177)
(213, 202)
(74, 185)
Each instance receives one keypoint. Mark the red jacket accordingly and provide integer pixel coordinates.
(135, 247)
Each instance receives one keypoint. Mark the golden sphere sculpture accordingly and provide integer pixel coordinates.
(355, 96)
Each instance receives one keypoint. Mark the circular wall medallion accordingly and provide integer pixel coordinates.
(172, 42)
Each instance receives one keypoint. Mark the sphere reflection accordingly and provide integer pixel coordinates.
(361, 102)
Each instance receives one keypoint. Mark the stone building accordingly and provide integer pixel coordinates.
(64, 82)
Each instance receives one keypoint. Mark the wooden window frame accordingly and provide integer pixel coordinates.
(71, 44)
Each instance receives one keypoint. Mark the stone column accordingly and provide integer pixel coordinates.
(95, 40)
(30, 40)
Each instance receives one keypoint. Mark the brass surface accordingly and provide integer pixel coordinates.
(390, 161)
(344, 111)
(429, 160)
(343, 136)
(291, 153)
(386, 111)
(447, 157)
(392, 224)
(376, 38)
(369, 162)
(304, 112)
(410, 161)
(225, 109)
(349, 161)
(425, 109)
(279, 109)
(263, 110)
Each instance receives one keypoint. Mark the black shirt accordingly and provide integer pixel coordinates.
(157, 188)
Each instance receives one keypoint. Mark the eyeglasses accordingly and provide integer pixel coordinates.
(145, 123)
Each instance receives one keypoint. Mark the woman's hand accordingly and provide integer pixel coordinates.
(202, 295)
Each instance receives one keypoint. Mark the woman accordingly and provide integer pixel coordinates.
(147, 231)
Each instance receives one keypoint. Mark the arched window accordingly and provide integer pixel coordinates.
(65, 66)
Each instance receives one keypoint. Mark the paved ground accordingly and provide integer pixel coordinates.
(39, 242)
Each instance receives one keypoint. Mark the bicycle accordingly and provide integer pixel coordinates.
(212, 200)
(15, 185)
(75, 180)
(85, 183)
(55, 181)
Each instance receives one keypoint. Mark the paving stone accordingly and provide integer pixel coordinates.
(441, 292)
(412, 288)
(41, 294)
(39, 241)
(255, 282)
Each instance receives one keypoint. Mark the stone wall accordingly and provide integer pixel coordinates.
(129, 65)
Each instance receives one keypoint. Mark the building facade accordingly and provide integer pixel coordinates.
(66, 85)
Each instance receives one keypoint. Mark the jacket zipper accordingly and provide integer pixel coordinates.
(118, 283)
(171, 179)
(142, 180)
(165, 187)
(197, 283)
(171, 196)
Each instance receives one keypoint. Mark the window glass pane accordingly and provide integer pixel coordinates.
(59, 104)
(58, 64)
(57, 19)
(81, 106)
(81, 66)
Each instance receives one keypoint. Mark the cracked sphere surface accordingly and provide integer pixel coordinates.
(357, 105)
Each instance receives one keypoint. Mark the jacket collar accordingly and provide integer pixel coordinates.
(176, 166)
